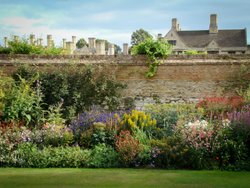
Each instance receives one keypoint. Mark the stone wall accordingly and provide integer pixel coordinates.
(179, 78)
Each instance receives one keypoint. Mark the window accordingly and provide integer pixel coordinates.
(231, 52)
(173, 42)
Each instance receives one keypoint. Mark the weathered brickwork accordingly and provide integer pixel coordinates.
(179, 78)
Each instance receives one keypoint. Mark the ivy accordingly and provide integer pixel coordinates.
(154, 50)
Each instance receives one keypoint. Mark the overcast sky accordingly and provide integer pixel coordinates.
(115, 20)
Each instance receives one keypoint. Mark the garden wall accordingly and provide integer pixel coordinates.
(179, 78)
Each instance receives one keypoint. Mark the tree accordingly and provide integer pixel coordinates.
(140, 36)
(118, 49)
(81, 43)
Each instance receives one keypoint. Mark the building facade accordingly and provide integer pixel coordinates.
(211, 41)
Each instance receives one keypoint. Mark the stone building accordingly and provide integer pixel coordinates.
(212, 41)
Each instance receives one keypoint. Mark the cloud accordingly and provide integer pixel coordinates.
(20, 22)
(103, 17)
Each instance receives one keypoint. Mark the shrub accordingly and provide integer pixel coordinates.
(83, 126)
(137, 119)
(198, 137)
(23, 47)
(217, 107)
(169, 115)
(240, 123)
(77, 89)
(52, 135)
(103, 156)
(29, 155)
(22, 105)
(127, 147)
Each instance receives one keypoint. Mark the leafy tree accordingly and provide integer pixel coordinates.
(81, 43)
(118, 49)
(140, 36)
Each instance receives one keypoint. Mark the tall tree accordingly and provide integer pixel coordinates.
(81, 43)
(139, 36)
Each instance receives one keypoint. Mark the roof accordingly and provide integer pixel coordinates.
(224, 38)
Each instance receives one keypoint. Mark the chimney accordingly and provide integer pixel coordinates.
(159, 36)
(175, 24)
(213, 27)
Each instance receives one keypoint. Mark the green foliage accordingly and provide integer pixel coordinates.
(169, 115)
(194, 52)
(118, 49)
(140, 36)
(4, 50)
(154, 50)
(81, 43)
(29, 155)
(23, 47)
(98, 133)
(76, 88)
(23, 103)
(239, 82)
(103, 156)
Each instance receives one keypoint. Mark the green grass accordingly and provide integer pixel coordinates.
(62, 178)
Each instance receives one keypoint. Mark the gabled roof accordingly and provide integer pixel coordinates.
(224, 38)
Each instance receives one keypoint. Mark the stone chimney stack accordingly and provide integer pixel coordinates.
(5, 42)
(69, 47)
(40, 41)
(49, 41)
(125, 49)
(74, 42)
(92, 43)
(100, 47)
(64, 43)
(159, 36)
(32, 39)
(111, 50)
(213, 27)
(175, 24)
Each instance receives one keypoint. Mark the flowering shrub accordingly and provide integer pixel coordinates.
(127, 147)
(240, 121)
(52, 135)
(95, 126)
(198, 136)
(169, 115)
(217, 107)
(137, 119)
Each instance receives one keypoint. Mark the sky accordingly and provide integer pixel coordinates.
(115, 20)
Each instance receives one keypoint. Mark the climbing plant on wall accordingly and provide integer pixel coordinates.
(154, 50)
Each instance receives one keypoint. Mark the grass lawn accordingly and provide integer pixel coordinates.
(62, 178)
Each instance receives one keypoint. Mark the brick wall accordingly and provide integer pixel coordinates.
(179, 78)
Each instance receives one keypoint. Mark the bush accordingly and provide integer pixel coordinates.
(29, 155)
(23, 47)
(77, 89)
(95, 125)
(52, 135)
(217, 107)
(137, 119)
(128, 148)
(22, 104)
(103, 156)
(167, 116)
